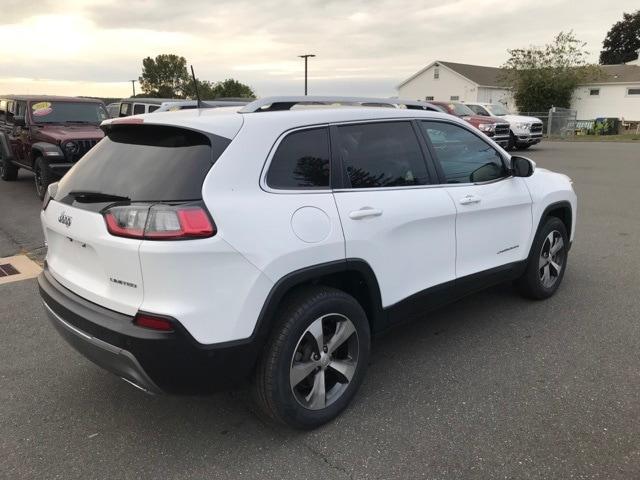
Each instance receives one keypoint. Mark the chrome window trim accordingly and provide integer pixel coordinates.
(310, 191)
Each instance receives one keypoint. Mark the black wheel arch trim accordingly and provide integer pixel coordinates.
(564, 204)
(46, 150)
(306, 276)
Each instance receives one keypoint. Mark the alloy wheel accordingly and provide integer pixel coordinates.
(551, 259)
(324, 361)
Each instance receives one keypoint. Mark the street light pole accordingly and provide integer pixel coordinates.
(133, 85)
(306, 58)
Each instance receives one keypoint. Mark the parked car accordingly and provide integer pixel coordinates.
(316, 229)
(113, 109)
(138, 106)
(523, 131)
(496, 129)
(46, 135)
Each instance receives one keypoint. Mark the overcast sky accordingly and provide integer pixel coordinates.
(92, 47)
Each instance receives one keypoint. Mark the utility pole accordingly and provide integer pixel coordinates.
(133, 85)
(306, 58)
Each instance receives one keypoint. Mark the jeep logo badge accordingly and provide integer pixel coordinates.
(64, 219)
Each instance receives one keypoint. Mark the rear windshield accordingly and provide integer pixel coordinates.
(460, 109)
(145, 163)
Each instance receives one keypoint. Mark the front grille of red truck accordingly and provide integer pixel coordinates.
(501, 130)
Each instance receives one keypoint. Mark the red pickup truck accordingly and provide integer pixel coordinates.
(491, 127)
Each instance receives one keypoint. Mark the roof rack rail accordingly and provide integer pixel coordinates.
(270, 104)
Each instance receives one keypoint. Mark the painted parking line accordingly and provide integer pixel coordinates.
(16, 268)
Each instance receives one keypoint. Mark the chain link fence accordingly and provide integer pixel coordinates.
(557, 122)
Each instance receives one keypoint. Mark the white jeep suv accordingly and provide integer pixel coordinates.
(524, 131)
(191, 250)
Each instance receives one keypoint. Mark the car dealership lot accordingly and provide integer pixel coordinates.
(494, 386)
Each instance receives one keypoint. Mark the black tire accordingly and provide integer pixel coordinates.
(8, 171)
(42, 177)
(273, 390)
(532, 283)
(512, 141)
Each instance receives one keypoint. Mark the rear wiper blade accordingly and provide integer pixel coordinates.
(87, 196)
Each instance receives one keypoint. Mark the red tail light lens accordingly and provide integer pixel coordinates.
(154, 323)
(159, 222)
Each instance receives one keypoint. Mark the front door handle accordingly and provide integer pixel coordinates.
(365, 212)
(469, 200)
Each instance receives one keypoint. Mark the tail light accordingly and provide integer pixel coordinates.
(159, 221)
(152, 322)
(52, 189)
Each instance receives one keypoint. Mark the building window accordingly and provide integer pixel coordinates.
(428, 98)
(436, 73)
(633, 91)
(454, 98)
(594, 92)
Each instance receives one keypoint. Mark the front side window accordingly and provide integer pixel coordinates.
(463, 156)
(138, 108)
(10, 110)
(125, 109)
(301, 161)
(381, 155)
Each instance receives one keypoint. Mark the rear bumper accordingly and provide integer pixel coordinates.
(107, 356)
(171, 362)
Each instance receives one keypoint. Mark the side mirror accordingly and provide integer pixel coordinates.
(19, 121)
(522, 166)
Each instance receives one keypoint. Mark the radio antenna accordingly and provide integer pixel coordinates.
(195, 85)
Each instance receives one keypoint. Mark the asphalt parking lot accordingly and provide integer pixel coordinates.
(493, 386)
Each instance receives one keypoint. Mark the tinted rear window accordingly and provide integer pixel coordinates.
(301, 161)
(145, 163)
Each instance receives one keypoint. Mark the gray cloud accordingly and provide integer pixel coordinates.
(375, 42)
(13, 11)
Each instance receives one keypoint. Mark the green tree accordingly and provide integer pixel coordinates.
(209, 90)
(542, 77)
(164, 76)
(622, 41)
(233, 88)
(205, 88)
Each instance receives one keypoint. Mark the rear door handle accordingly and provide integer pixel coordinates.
(365, 212)
(469, 200)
